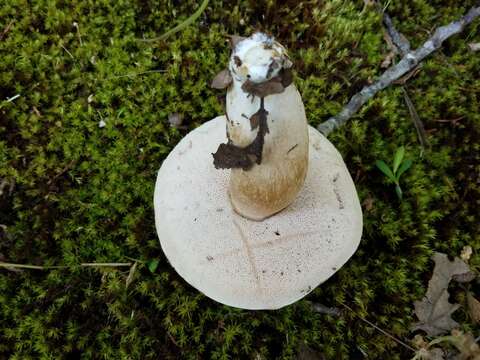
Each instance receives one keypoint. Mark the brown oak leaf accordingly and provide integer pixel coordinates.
(434, 310)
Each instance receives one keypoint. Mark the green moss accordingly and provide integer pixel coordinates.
(84, 194)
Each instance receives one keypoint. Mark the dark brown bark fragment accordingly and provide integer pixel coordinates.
(230, 156)
(275, 85)
(237, 60)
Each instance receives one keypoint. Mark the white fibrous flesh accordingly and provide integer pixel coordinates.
(256, 54)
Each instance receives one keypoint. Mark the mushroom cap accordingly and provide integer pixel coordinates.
(250, 264)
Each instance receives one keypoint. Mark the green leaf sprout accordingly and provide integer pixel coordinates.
(399, 167)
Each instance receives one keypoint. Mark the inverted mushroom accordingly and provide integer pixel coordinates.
(266, 127)
(275, 212)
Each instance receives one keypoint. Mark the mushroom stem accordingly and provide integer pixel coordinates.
(267, 148)
(273, 182)
(267, 131)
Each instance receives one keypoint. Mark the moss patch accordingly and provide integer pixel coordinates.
(82, 193)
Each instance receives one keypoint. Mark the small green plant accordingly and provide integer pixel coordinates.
(152, 265)
(399, 167)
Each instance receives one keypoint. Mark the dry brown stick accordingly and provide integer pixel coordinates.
(406, 64)
(453, 121)
(6, 30)
(3, 184)
(402, 46)
(40, 267)
(400, 41)
(322, 309)
(64, 170)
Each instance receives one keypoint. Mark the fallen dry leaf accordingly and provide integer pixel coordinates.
(368, 203)
(369, 2)
(424, 352)
(388, 59)
(473, 308)
(175, 119)
(3, 259)
(419, 342)
(430, 354)
(222, 80)
(465, 343)
(466, 253)
(474, 46)
(434, 310)
(131, 274)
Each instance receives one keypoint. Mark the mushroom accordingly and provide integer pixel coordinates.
(267, 130)
(275, 212)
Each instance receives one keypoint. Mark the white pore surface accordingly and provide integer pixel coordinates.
(244, 263)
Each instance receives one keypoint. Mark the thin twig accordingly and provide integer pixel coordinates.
(171, 338)
(406, 64)
(63, 171)
(131, 274)
(474, 46)
(181, 26)
(41, 267)
(139, 73)
(36, 111)
(403, 80)
(3, 184)
(6, 30)
(106, 264)
(400, 41)
(377, 328)
(13, 98)
(68, 52)
(453, 121)
(322, 309)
